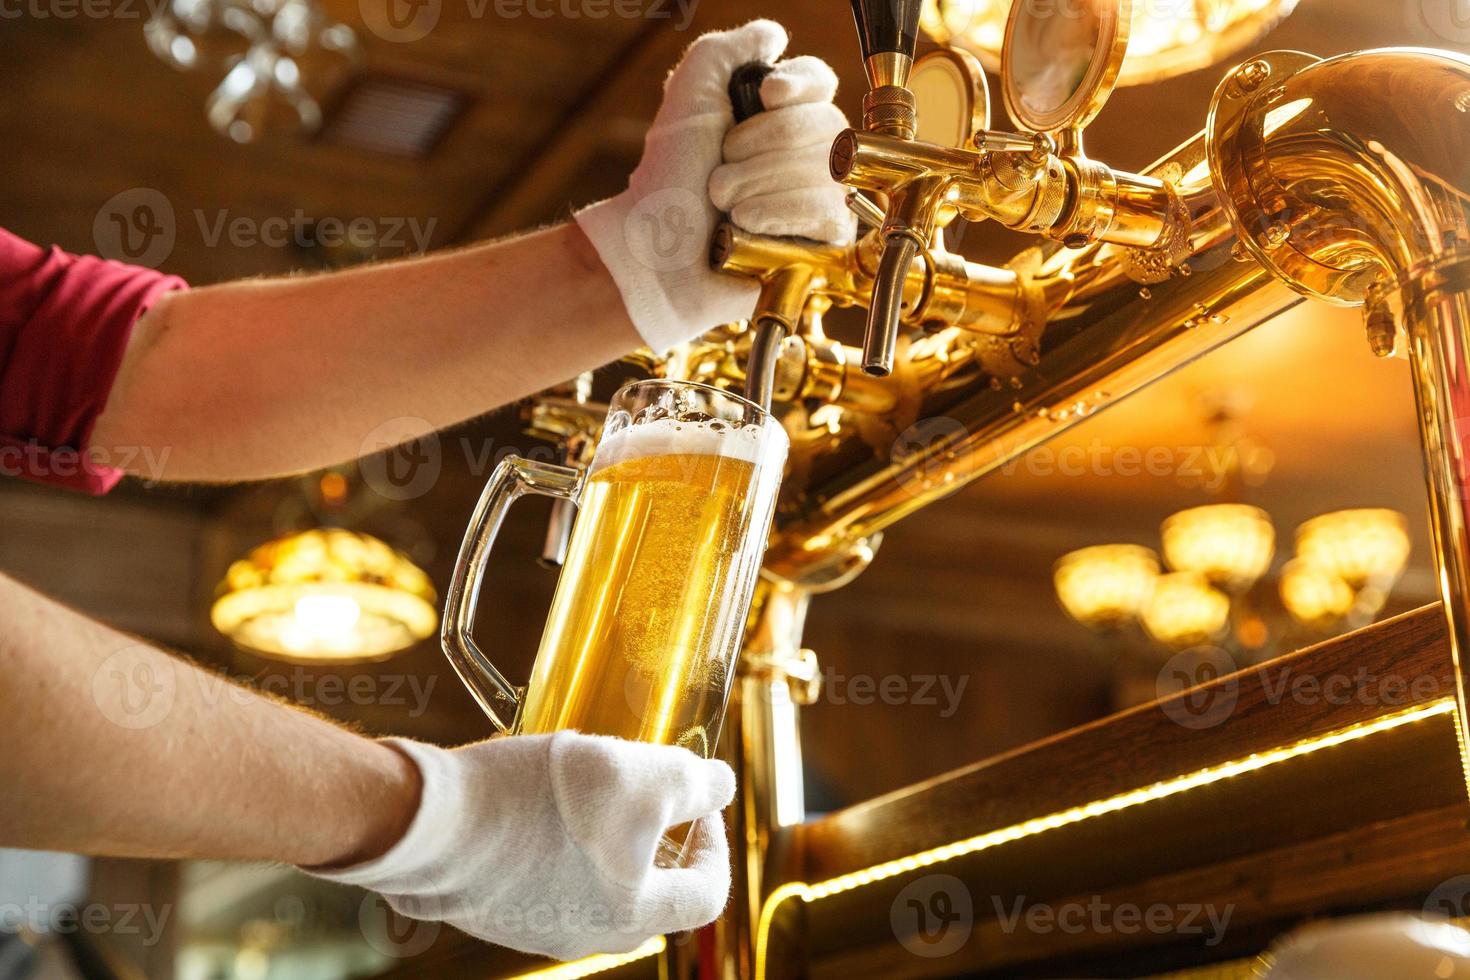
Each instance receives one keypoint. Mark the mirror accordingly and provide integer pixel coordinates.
(1061, 61)
(952, 97)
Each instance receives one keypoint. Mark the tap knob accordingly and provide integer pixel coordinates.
(772, 325)
(888, 31)
(745, 89)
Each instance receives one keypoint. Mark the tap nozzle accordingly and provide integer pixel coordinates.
(765, 355)
(899, 252)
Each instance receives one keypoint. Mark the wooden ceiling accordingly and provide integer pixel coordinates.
(554, 117)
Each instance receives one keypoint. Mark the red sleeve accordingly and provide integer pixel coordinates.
(64, 324)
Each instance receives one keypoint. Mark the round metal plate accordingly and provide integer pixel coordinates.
(1167, 40)
(1061, 61)
(952, 97)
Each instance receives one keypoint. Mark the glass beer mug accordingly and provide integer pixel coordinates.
(649, 612)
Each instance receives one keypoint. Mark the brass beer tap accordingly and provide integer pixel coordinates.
(1039, 182)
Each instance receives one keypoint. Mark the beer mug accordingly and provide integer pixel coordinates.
(672, 520)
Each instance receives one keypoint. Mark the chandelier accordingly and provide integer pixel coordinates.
(1107, 586)
(325, 596)
(275, 58)
(328, 593)
(1345, 566)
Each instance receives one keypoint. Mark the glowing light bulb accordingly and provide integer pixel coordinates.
(327, 617)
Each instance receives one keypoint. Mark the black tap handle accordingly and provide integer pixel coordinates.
(745, 89)
(886, 25)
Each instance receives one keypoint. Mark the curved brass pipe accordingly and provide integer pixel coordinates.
(1347, 176)
(1350, 180)
(1379, 134)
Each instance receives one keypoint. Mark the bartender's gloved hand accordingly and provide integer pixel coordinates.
(769, 172)
(545, 843)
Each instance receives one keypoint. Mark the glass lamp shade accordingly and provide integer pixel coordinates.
(1230, 544)
(204, 34)
(1106, 586)
(1168, 38)
(1315, 597)
(1361, 547)
(249, 102)
(325, 596)
(1185, 610)
(278, 85)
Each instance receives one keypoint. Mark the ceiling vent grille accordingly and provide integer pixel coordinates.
(395, 116)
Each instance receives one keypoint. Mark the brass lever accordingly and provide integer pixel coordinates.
(784, 294)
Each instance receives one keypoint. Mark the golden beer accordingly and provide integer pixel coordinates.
(647, 616)
(650, 610)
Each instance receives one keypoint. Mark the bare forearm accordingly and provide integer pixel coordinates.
(113, 747)
(264, 378)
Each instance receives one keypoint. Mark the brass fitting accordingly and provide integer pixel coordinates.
(1070, 199)
(890, 109)
(939, 288)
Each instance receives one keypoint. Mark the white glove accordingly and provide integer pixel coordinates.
(545, 843)
(770, 172)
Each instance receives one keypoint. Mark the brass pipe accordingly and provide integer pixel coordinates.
(1353, 176)
(938, 287)
(1106, 336)
(1067, 198)
(762, 742)
(1351, 181)
(783, 296)
(886, 311)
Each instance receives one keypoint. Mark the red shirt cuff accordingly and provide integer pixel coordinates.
(65, 321)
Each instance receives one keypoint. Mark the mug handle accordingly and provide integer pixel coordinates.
(513, 478)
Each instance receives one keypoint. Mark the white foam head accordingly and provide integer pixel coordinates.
(672, 436)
